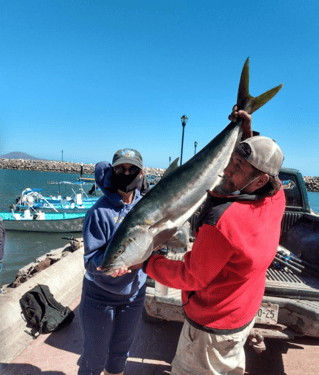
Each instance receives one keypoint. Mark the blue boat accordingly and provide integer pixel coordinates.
(33, 199)
(38, 221)
(34, 212)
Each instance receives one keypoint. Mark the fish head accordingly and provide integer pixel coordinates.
(133, 249)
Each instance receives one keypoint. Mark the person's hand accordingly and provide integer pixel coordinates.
(121, 271)
(246, 121)
(124, 270)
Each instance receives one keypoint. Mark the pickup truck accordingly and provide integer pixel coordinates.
(290, 306)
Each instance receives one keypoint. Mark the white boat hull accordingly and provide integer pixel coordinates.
(52, 226)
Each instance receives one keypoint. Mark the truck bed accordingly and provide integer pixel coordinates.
(296, 295)
(285, 283)
(290, 306)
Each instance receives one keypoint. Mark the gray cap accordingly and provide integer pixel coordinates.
(263, 153)
(127, 155)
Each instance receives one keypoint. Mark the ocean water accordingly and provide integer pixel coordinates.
(314, 201)
(23, 248)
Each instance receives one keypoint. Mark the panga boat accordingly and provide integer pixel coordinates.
(38, 221)
(33, 199)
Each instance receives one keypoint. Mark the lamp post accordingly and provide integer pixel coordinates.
(184, 121)
(195, 145)
(81, 172)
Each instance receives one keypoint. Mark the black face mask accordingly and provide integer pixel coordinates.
(125, 182)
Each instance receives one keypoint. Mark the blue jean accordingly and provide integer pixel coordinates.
(109, 323)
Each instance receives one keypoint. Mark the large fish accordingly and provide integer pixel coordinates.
(158, 217)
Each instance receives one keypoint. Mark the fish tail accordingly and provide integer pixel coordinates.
(247, 102)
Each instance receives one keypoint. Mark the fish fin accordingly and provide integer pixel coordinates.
(262, 99)
(247, 102)
(172, 168)
(174, 242)
(180, 238)
(243, 90)
(160, 222)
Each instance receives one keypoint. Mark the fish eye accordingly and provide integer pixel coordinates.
(120, 251)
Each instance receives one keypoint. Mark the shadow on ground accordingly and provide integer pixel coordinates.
(69, 338)
(154, 348)
(26, 369)
(270, 362)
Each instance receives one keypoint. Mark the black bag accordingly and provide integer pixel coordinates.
(43, 312)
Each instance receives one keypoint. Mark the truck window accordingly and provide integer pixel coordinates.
(291, 189)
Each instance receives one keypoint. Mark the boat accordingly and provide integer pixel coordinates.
(39, 221)
(33, 199)
(95, 190)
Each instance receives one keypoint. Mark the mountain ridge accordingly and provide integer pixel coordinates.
(19, 155)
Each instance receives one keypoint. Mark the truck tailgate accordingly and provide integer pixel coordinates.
(297, 297)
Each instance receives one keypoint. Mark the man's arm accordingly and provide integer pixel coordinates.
(246, 121)
(209, 255)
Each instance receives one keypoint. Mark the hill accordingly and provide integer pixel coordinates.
(19, 155)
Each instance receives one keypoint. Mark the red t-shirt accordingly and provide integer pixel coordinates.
(227, 264)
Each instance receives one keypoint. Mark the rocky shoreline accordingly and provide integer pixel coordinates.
(312, 183)
(60, 166)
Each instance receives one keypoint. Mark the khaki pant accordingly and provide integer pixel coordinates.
(202, 353)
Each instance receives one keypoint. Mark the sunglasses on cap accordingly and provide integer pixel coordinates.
(121, 170)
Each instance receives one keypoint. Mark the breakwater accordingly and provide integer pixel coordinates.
(60, 166)
(312, 183)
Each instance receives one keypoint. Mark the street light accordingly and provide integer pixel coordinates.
(195, 145)
(184, 120)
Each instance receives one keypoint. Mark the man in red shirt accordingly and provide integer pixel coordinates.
(223, 277)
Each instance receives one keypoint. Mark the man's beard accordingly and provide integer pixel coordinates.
(226, 187)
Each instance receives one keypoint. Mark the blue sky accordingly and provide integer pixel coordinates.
(90, 77)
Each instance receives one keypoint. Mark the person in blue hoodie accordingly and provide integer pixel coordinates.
(110, 307)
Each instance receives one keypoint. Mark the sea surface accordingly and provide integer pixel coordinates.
(314, 201)
(22, 248)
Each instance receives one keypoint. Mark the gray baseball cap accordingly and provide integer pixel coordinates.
(263, 153)
(127, 155)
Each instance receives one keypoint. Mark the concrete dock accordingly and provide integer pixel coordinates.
(153, 349)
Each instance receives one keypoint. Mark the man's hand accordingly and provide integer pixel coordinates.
(246, 121)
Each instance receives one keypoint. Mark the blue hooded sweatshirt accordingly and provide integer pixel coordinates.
(100, 224)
